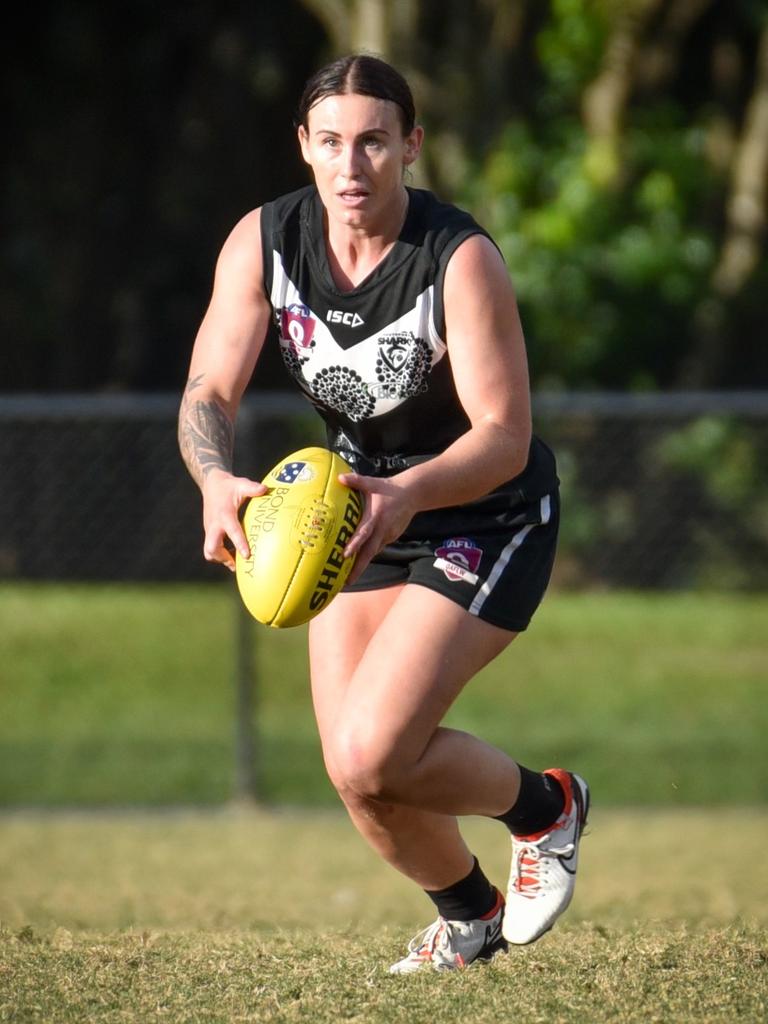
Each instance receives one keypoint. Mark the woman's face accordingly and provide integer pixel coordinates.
(356, 149)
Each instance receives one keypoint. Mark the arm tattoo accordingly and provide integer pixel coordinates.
(206, 435)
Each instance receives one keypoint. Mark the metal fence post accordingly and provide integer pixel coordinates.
(247, 765)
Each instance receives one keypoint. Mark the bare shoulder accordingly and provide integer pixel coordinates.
(242, 247)
(476, 254)
(247, 228)
(476, 269)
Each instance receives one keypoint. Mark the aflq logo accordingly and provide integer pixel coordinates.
(297, 325)
(459, 558)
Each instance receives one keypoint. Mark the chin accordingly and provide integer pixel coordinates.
(354, 218)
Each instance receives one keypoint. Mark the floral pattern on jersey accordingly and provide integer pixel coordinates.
(403, 365)
(345, 391)
(297, 328)
(293, 362)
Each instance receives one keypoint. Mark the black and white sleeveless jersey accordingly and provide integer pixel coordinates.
(372, 360)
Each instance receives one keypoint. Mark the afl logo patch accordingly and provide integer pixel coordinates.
(459, 558)
(297, 326)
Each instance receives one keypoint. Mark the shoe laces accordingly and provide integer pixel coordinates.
(434, 942)
(532, 858)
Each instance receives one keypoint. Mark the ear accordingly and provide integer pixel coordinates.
(413, 144)
(304, 143)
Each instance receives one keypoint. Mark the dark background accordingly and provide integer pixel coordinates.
(140, 134)
(617, 159)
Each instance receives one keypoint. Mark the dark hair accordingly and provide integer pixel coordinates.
(363, 75)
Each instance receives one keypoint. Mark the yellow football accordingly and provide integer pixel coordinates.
(297, 533)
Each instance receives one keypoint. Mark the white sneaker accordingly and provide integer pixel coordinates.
(451, 945)
(543, 872)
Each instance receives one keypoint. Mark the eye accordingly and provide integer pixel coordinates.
(372, 142)
(330, 142)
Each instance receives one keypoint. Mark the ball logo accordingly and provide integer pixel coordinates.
(459, 558)
(263, 520)
(297, 325)
(335, 562)
(293, 471)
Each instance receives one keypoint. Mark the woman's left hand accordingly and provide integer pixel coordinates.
(388, 511)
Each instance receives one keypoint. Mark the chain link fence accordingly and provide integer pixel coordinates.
(659, 491)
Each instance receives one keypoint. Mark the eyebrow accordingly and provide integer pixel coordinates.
(365, 131)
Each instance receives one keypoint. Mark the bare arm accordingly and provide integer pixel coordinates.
(488, 359)
(490, 370)
(206, 433)
(226, 348)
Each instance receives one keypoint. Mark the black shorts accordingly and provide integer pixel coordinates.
(495, 563)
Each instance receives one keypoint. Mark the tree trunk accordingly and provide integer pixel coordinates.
(606, 98)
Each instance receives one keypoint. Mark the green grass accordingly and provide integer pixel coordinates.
(125, 695)
(271, 917)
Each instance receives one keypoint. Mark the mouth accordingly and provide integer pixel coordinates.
(353, 196)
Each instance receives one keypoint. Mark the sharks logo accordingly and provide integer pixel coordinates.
(402, 366)
(394, 350)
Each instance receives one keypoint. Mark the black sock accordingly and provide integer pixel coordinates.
(468, 899)
(539, 804)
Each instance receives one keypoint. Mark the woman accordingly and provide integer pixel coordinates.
(397, 318)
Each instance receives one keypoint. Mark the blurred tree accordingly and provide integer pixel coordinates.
(618, 151)
(371, 26)
(629, 196)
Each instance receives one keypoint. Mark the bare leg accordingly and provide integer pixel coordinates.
(380, 694)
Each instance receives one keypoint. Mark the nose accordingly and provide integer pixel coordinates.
(350, 161)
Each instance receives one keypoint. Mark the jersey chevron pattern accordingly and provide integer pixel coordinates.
(373, 360)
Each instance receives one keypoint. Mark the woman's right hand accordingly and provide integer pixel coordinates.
(223, 494)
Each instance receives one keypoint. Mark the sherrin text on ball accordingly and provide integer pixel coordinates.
(297, 533)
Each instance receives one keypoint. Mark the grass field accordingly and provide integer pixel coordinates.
(124, 695)
(270, 917)
(112, 696)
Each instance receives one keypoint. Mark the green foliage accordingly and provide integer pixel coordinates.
(721, 454)
(570, 47)
(138, 143)
(611, 241)
(725, 461)
(663, 501)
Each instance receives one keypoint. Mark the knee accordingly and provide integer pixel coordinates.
(362, 769)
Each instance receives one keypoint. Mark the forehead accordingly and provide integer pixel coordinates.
(352, 112)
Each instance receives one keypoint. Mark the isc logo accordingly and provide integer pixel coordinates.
(338, 316)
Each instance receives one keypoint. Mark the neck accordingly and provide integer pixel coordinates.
(354, 250)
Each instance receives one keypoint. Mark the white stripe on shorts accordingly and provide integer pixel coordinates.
(503, 560)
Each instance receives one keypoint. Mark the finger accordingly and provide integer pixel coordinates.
(213, 544)
(360, 537)
(249, 489)
(231, 534)
(220, 555)
(358, 482)
(362, 559)
(246, 490)
(236, 534)
(361, 564)
(215, 548)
